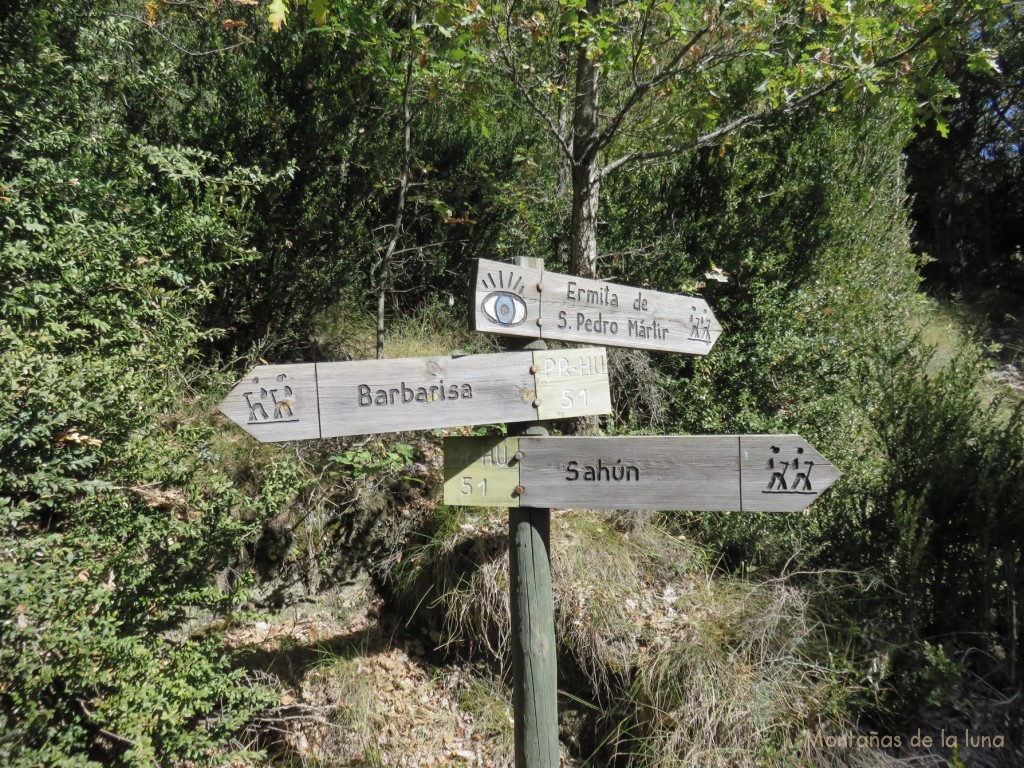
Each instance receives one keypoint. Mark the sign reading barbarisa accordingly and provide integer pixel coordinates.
(319, 400)
(519, 301)
(742, 473)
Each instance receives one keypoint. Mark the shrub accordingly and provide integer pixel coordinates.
(116, 523)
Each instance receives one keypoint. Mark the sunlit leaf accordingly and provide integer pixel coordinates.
(318, 10)
(277, 14)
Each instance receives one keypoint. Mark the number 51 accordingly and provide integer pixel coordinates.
(467, 486)
(567, 397)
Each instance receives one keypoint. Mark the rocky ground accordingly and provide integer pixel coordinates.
(358, 689)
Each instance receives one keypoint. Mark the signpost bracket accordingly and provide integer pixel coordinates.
(534, 651)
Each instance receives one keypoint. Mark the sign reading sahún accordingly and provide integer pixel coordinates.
(318, 400)
(742, 473)
(521, 301)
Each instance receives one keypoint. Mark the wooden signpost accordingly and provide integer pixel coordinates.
(320, 400)
(529, 474)
(739, 473)
(527, 301)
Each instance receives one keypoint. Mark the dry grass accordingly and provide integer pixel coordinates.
(949, 328)
(637, 396)
(691, 669)
(432, 331)
(359, 693)
(722, 683)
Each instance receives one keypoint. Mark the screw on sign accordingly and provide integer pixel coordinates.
(526, 301)
(274, 403)
(723, 473)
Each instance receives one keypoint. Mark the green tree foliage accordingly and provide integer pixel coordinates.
(114, 525)
(942, 517)
(615, 85)
(968, 181)
(180, 181)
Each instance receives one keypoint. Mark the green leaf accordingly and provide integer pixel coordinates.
(277, 14)
(984, 62)
(318, 10)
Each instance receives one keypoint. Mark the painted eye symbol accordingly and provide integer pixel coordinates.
(504, 308)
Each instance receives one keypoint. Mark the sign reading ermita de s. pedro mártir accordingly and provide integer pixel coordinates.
(318, 400)
(520, 301)
(742, 473)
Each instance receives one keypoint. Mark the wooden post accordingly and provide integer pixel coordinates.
(534, 662)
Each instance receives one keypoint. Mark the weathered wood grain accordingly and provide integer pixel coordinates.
(534, 650)
(748, 473)
(506, 299)
(693, 473)
(276, 402)
(782, 473)
(481, 471)
(572, 382)
(319, 400)
(366, 396)
(513, 300)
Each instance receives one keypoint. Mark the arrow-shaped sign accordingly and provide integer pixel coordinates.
(764, 473)
(521, 301)
(318, 400)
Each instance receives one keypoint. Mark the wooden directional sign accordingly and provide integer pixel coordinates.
(317, 400)
(743, 473)
(520, 301)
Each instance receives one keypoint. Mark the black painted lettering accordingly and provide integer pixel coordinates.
(364, 396)
(403, 394)
(603, 473)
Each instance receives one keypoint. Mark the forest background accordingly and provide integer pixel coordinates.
(189, 188)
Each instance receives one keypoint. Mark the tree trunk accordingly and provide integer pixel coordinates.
(386, 265)
(563, 186)
(586, 170)
(586, 188)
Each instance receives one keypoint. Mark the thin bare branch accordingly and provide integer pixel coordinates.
(156, 31)
(505, 48)
(640, 90)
